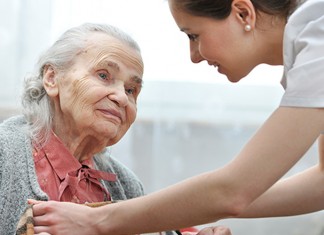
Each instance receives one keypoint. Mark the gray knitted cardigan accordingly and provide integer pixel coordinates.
(18, 180)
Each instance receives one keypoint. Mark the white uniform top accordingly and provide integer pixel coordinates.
(303, 54)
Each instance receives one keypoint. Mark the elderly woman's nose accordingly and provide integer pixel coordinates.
(118, 95)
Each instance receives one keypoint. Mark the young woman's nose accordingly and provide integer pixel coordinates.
(194, 53)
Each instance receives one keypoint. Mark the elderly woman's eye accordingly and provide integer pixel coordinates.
(130, 91)
(103, 75)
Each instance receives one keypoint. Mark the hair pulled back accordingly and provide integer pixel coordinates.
(220, 9)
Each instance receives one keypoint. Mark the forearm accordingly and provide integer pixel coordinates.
(182, 205)
(299, 194)
(199, 200)
(225, 192)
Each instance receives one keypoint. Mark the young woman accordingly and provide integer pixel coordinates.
(235, 36)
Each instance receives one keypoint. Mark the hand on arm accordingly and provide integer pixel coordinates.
(51, 218)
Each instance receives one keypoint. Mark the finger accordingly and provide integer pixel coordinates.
(40, 209)
(217, 230)
(41, 230)
(206, 231)
(42, 221)
(221, 230)
(33, 201)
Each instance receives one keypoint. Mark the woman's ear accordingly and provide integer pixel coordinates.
(50, 80)
(245, 13)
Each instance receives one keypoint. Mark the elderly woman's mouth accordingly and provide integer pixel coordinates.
(112, 114)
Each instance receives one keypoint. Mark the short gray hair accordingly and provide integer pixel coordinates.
(37, 106)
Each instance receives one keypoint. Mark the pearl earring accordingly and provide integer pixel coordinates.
(247, 28)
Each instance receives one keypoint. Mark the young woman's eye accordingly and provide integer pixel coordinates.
(192, 37)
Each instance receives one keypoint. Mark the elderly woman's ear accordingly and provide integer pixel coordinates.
(50, 80)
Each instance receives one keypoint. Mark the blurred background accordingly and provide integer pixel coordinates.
(190, 118)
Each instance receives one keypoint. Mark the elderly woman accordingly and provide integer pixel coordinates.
(81, 100)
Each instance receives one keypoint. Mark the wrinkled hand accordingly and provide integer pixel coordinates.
(61, 218)
(217, 230)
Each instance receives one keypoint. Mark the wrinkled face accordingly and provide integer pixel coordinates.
(222, 43)
(98, 94)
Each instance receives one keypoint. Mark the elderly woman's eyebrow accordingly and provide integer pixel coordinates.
(107, 63)
(138, 80)
(112, 64)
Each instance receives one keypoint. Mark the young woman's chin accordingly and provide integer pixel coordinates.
(233, 79)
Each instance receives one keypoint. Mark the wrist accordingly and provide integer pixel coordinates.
(104, 220)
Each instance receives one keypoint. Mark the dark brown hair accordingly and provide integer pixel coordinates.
(220, 9)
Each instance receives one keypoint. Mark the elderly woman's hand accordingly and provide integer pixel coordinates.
(217, 230)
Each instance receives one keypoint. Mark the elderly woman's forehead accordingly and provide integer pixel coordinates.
(105, 40)
(104, 43)
(101, 47)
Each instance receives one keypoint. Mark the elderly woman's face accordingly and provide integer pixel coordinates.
(98, 94)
